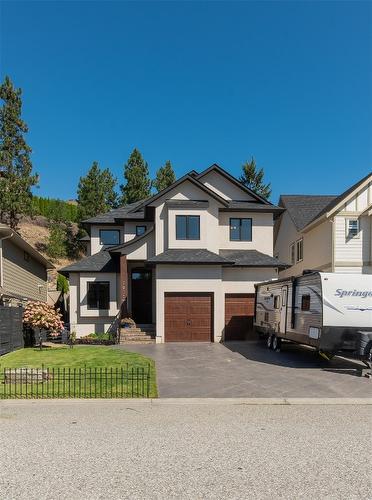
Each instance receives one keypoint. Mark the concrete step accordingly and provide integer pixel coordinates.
(141, 340)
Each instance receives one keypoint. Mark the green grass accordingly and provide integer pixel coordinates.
(89, 362)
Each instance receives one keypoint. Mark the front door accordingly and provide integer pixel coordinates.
(142, 296)
(283, 310)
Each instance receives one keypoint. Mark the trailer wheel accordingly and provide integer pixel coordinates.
(269, 341)
(276, 343)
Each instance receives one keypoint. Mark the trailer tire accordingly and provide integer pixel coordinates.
(276, 343)
(269, 341)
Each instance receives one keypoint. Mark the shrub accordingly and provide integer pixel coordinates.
(62, 283)
(41, 315)
(97, 339)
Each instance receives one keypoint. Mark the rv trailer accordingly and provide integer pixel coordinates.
(329, 311)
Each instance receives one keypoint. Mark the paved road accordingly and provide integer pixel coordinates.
(121, 450)
(249, 369)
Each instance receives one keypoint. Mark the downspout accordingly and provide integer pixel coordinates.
(1, 258)
(333, 246)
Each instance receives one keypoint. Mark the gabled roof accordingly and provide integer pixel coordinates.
(302, 209)
(117, 248)
(251, 258)
(6, 231)
(342, 197)
(232, 179)
(189, 256)
(117, 213)
(99, 262)
(185, 178)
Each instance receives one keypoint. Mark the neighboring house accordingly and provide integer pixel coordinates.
(326, 233)
(23, 270)
(185, 260)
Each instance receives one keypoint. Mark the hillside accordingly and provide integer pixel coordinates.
(36, 232)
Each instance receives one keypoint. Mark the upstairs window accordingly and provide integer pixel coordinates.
(140, 230)
(187, 227)
(240, 229)
(352, 228)
(109, 236)
(292, 254)
(299, 250)
(98, 295)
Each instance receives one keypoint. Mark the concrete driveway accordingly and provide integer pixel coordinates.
(249, 369)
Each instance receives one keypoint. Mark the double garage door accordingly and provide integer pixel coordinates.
(189, 317)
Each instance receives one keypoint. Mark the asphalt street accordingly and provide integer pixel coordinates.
(123, 449)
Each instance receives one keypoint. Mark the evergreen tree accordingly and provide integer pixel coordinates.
(62, 284)
(16, 178)
(165, 176)
(254, 179)
(57, 244)
(96, 192)
(136, 174)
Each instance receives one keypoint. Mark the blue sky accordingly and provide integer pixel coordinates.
(195, 82)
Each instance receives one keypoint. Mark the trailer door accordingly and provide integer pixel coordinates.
(283, 310)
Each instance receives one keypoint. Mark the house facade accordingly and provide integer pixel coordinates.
(23, 270)
(185, 260)
(326, 233)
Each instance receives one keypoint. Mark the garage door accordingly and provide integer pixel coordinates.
(239, 311)
(188, 317)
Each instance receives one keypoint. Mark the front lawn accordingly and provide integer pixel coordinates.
(84, 371)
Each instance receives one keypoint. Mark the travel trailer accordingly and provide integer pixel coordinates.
(328, 311)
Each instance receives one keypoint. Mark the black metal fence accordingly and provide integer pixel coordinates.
(45, 383)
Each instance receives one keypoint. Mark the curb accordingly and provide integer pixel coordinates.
(195, 401)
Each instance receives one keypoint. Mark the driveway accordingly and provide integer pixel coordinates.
(249, 369)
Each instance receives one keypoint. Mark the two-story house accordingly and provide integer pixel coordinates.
(185, 260)
(23, 270)
(326, 233)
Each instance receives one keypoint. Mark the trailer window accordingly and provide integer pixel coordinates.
(277, 302)
(305, 303)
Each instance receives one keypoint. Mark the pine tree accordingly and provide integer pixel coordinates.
(16, 178)
(165, 176)
(254, 179)
(56, 245)
(136, 174)
(96, 192)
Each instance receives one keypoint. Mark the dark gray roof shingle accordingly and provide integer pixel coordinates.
(188, 256)
(253, 206)
(251, 258)
(117, 213)
(304, 208)
(99, 262)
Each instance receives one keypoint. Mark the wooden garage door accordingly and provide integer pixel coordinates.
(188, 317)
(239, 311)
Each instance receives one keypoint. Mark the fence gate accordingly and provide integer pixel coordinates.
(11, 331)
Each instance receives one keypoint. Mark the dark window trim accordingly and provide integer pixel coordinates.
(187, 227)
(144, 227)
(112, 230)
(89, 283)
(305, 302)
(240, 227)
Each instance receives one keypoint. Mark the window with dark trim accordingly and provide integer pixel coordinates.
(305, 303)
(140, 230)
(187, 227)
(98, 295)
(109, 236)
(240, 229)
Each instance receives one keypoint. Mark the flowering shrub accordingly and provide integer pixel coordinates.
(41, 315)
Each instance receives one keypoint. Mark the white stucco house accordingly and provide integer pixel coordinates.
(326, 233)
(185, 261)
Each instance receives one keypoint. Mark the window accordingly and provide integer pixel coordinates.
(141, 275)
(305, 303)
(26, 256)
(352, 228)
(140, 230)
(276, 301)
(98, 295)
(240, 229)
(299, 250)
(109, 236)
(292, 254)
(187, 227)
